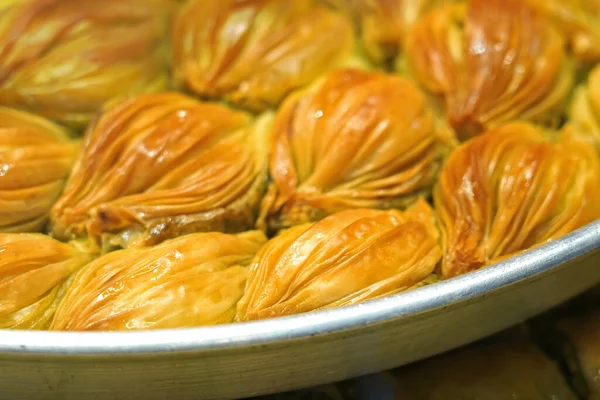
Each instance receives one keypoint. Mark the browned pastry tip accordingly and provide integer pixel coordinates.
(192, 280)
(491, 61)
(348, 257)
(33, 268)
(254, 52)
(511, 189)
(36, 157)
(162, 165)
(64, 58)
(355, 139)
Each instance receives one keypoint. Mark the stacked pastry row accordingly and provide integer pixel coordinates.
(173, 164)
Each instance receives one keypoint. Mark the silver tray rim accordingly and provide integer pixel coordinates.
(244, 334)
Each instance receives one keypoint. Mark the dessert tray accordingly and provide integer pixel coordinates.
(224, 198)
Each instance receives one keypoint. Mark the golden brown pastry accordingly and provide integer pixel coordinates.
(383, 24)
(64, 58)
(161, 165)
(578, 20)
(355, 140)
(254, 52)
(193, 280)
(32, 269)
(491, 61)
(584, 110)
(35, 160)
(510, 189)
(508, 366)
(346, 258)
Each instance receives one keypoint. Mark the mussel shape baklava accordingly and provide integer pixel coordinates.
(584, 110)
(33, 268)
(490, 61)
(161, 165)
(578, 20)
(346, 258)
(253, 52)
(63, 59)
(355, 140)
(511, 189)
(35, 160)
(192, 280)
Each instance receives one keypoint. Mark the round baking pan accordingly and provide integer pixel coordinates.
(246, 359)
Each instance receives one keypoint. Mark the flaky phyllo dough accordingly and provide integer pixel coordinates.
(511, 189)
(63, 59)
(584, 110)
(192, 280)
(354, 140)
(346, 258)
(158, 166)
(33, 268)
(383, 24)
(578, 20)
(254, 52)
(35, 160)
(490, 61)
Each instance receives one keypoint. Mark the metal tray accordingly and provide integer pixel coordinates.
(247, 359)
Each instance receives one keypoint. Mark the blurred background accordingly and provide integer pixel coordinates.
(554, 356)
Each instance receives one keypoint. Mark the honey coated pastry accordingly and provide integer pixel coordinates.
(383, 24)
(254, 52)
(346, 258)
(161, 165)
(584, 110)
(36, 157)
(285, 122)
(578, 20)
(192, 280)
(355, 140)
(491, 61)
(63, 59)
(511, 189)
(33, 268)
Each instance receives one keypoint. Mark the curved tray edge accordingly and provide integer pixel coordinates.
(470, 286)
